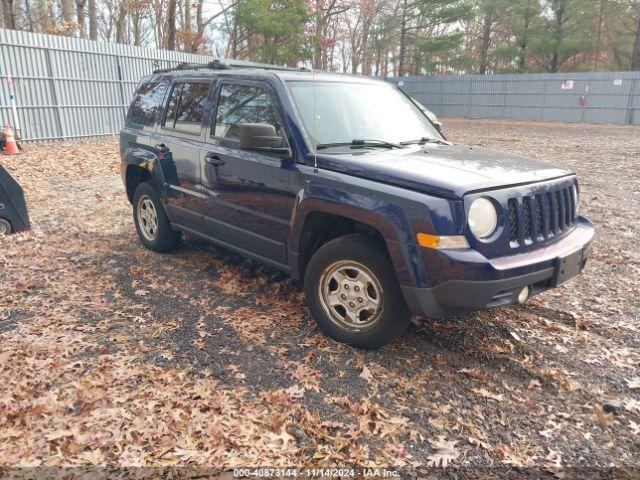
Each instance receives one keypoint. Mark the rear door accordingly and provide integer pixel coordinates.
(178, 142)
(249, 196)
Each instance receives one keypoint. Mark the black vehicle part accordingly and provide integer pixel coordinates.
(218, 65)
(13, 206)
(213, 65)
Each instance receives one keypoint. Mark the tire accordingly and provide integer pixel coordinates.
(5, 227)
(152, 224)
(359, 320)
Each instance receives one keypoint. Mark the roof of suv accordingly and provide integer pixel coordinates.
(284, 75)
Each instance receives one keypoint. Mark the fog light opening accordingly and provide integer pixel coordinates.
(523, 295)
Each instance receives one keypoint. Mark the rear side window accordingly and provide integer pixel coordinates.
(240, 104)
(185, 110)
(146, 103)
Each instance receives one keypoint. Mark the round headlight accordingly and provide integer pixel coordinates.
(483, 218)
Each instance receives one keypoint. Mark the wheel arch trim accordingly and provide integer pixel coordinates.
(399, 251)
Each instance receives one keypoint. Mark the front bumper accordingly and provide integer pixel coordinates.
(476, 283)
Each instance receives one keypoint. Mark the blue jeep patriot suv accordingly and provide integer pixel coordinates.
(345, 184)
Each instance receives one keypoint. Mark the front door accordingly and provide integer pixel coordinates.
(178, 144)
(250, 199)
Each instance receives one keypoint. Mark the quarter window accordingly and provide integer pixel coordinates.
(146, 103)
(240, 104)
(185, 110)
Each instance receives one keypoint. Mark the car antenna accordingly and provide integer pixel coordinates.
(313, 88)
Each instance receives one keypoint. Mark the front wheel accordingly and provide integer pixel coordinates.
(353, 294)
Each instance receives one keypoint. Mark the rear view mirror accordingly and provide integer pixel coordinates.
(262, 137)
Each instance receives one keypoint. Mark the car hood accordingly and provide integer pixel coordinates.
(446, 170)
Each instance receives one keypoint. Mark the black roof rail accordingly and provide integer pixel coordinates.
(218, 65)
(213, 65)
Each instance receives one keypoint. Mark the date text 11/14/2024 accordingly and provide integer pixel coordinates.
(314, 473)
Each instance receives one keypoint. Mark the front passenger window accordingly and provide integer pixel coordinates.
(240, 104)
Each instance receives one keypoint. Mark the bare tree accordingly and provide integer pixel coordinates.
(121, 24)
(487, 25)
(635, 59)
(403, 38)
(66, 9)
(171, 25)
(81, 14)
(93, 20)
(9, 14)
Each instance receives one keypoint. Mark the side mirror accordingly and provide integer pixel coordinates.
(262, 137)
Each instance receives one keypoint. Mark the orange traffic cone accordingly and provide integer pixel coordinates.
(10, 146)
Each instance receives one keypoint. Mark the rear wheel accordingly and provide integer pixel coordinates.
(152, 223)
(353, 293)
(5, 227)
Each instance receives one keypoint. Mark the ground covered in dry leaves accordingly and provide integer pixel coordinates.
(114, 355)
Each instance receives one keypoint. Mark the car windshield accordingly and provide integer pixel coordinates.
(371, 112)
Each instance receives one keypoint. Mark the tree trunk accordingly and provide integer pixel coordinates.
(524, 40)
(8, 7)
(403, 39)
(596, 60)
(186, 26)
(555, 56)
(137, 27)
(635, 60)
(197, 39)
(121, 25)
(171, 25)
(48, 23)
(317, 49)
(29, 16)
(66, 8)
(486, 40)
(82, 17)
(93, 20)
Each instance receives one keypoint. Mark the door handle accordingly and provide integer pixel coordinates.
(214, 160)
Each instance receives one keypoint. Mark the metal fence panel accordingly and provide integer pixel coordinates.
(595, 97)
(68, 87)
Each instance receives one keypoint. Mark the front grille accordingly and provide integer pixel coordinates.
(539, 217)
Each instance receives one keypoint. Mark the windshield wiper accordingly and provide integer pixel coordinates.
(424, 140)
(359, 144)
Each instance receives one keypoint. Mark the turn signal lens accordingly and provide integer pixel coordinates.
(437, 241)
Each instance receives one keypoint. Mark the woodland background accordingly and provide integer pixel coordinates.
(370, 37)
